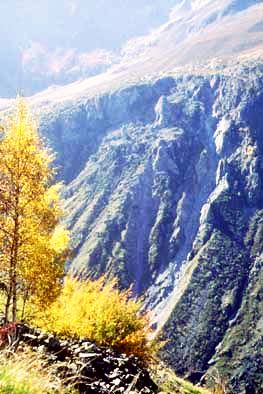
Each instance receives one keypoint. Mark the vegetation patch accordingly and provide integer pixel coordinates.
(23, 373)
(98, 310)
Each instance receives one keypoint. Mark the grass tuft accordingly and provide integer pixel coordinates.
(24, 373)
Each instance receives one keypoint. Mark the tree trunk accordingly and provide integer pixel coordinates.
(9, 289)
(14, 291)
(7, 306)
(25, 298)
(13, 269)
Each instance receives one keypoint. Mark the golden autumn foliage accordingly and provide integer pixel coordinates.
(97, 310)
(32, 242)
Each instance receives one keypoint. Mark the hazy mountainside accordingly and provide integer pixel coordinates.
(61, 42)
(197, 28)
(163, 171)
(56, 42)
(199, 37)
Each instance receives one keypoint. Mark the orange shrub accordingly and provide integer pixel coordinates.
(99, 311)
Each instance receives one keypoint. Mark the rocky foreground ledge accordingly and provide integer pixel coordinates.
(87, 367)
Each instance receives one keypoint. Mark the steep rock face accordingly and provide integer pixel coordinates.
(144, 174)
(168, 197)
(244, 367)
(224, 293)
(75, 129)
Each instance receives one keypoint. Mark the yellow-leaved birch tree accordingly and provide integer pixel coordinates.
(33, 243)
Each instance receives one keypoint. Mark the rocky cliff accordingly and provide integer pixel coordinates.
(164, 190)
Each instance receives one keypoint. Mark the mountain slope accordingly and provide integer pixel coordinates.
(170, 200)
(198, 31)
(163, 171)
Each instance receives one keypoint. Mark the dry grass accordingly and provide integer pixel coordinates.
(169, 383)
(24, 373)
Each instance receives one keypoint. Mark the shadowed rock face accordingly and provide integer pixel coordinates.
(169, 198)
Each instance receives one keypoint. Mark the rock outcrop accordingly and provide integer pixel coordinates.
(88, 368)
